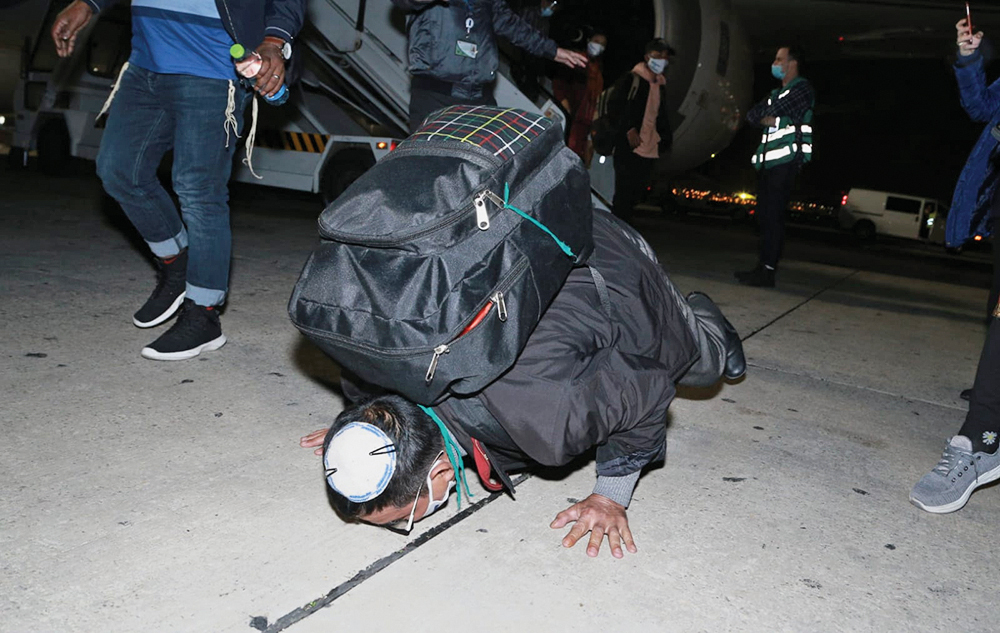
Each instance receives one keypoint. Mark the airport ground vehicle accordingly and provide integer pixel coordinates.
(868, 213)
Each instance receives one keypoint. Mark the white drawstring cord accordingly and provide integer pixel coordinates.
(231, 122)
(251, 137)
(114, 91)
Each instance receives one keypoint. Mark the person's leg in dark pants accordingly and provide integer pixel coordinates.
(428, 95)
(982, 423)
(632, 174)
(774, 187)
(140, 130)
(971, 458)
(779, 189)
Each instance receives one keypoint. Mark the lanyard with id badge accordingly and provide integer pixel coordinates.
(465, 47)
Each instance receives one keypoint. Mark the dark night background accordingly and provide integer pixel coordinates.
(883, 120)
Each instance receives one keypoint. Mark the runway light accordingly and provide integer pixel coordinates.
(713, 155)
(381, 145)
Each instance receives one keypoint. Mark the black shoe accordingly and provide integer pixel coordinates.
(706, 309)
(196, 330)
(168, 294)
(966, 394)
(760, 278)
(736, 361)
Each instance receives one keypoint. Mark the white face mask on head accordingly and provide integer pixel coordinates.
(595, 48)
(657, 65)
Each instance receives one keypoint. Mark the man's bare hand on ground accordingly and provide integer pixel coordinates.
(967, 42)
(570, 58)
(314, 439)
(600, 516)
(68, 24)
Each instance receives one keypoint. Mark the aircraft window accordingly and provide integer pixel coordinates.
(723, 64)
(903, 205)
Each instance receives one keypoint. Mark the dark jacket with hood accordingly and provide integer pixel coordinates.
(434, 29)
(629, 96)
(587, 378)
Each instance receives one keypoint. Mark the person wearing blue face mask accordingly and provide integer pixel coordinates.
(786, 116)
(643, 131)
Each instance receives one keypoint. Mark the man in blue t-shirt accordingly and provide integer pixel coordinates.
(180, 91)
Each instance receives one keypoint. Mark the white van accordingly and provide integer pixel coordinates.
(868, 213)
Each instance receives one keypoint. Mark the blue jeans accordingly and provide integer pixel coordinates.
(151, 114)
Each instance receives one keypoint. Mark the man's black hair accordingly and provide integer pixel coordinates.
(659, 45)
(418, 441)
(797, 53)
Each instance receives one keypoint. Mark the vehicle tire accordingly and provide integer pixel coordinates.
(864, 231)
(53, 148)
(342, 169)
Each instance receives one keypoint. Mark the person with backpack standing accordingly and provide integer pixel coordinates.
(452, 51)
(642, 129)
(786, 114)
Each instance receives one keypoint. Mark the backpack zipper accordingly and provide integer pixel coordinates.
(496, 299)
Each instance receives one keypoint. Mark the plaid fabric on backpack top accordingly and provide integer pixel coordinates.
(504, 132)
(435, 266)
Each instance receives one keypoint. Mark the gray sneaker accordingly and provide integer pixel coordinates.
(948, 487)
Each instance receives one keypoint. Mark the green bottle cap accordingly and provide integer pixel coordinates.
(237, 51)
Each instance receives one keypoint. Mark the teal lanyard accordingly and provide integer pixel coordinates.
(454, 456)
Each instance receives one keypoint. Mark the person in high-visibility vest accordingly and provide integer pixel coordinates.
(786, 144)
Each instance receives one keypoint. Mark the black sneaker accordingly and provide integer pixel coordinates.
(196, 330)
(168, 294)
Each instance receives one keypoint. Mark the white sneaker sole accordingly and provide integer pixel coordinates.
(152, 354)
(986, 478)
(163, 317)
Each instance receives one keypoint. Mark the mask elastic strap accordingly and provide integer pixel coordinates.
(454, 456)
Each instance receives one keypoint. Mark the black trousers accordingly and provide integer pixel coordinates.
(632, 174)
(429, 95)
(774, 188)
(982, 423)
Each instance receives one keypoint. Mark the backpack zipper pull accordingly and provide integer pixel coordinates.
(439, 351)
(501, 306)
(482, 217)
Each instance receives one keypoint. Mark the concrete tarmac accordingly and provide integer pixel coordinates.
(147, 496)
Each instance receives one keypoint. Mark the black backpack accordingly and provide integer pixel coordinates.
(436, 264)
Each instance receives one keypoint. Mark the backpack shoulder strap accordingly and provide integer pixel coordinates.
(602, 289)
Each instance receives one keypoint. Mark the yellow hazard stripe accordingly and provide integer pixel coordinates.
(292, 141)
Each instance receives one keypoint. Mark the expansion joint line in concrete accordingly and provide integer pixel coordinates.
(301, 613)
(801, 303)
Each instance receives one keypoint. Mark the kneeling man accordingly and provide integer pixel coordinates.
(599, 371)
